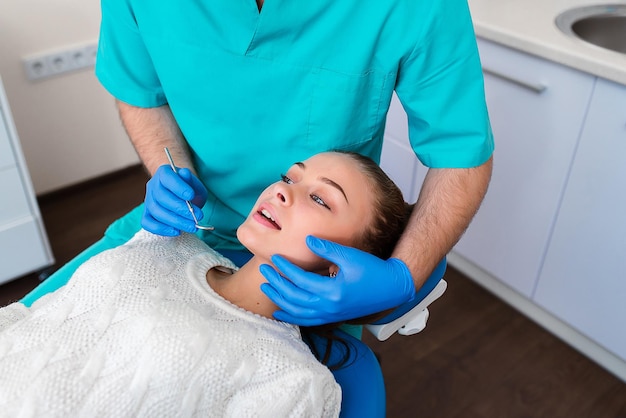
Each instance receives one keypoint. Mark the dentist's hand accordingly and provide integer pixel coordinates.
(165, 210)
(365, 284)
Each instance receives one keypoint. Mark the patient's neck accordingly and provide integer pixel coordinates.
(243, 288)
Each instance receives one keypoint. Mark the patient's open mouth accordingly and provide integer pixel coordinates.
(268, 216)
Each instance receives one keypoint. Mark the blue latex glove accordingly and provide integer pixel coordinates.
(365, 284)
(165, 210)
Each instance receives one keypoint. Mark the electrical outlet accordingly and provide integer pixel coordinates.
(59, 63)
(91, 51)
(36, 68)
(50, 64)
(77, 58)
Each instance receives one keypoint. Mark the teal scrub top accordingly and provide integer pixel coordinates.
(253, 92)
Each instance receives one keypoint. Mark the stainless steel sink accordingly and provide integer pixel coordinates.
(602, 25)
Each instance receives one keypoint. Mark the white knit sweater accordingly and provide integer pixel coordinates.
(137, 331)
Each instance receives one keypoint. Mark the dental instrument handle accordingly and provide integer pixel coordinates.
(171, 160)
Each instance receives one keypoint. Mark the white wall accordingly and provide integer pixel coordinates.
(68, 125)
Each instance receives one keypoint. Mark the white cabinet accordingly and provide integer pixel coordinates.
(24, 245)
(536, 110)
(583, 280)
(550, 237)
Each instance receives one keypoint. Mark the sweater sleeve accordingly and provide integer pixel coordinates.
(12, 313)
(300, 393)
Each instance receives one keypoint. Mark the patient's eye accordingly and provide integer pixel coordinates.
(319, 201)
(286, 179)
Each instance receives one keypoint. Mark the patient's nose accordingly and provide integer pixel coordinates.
(283, 194)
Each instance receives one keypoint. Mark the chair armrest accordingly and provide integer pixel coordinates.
(410, 317)
(413, 321)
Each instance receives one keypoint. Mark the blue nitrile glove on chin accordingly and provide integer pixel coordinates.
(165, 210)
(365, 284)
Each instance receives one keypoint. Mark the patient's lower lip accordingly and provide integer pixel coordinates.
(264, 221)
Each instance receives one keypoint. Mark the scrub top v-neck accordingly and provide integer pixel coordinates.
(255, 91)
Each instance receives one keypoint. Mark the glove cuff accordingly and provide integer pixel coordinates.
(404, 280)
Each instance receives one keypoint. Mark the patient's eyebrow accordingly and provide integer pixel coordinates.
(326, 180)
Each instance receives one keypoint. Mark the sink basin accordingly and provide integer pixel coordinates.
(602, 25)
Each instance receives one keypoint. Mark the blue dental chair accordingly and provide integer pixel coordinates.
(361, 379)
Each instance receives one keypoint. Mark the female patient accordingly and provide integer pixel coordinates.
(165, 326)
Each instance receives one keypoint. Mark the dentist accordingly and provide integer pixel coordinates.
(239, 90)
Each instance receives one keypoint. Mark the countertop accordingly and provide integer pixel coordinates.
(528, 25)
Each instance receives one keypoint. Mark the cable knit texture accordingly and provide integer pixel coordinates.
(138, 332)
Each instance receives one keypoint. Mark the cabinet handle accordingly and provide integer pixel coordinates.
(537, 88)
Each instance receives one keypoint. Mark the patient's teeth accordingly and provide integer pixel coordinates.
(267, 214)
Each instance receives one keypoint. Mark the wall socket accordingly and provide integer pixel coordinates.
(54, 63)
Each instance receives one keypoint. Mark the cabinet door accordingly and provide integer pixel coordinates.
(23, 243)
(536, 109)
(15, 203)
(22, 250)
(6, 152)
(583, 280)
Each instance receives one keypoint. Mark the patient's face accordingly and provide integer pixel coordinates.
(326, 196)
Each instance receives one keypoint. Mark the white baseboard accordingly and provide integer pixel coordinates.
(562, 330)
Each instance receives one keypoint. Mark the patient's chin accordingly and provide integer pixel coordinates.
(253, 242)
(245, 237)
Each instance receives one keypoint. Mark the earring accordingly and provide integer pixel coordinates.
(333, 274)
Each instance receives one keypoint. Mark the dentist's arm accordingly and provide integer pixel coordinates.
(448, 201)
(150, 131)
(366, 284)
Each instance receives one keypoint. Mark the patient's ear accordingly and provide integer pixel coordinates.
(333, 270)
